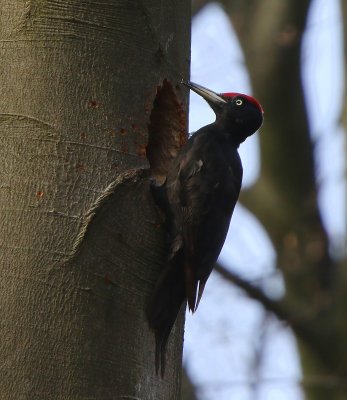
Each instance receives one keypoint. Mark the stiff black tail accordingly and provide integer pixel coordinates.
(163, 309)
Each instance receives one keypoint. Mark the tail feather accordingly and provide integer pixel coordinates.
(191, 287)
(200, 293)
(164, 307)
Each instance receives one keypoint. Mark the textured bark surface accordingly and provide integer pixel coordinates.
(80, 244)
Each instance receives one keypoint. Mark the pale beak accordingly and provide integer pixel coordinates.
(211, 97)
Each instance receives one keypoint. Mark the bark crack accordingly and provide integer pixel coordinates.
(104, 198)
(28, 117)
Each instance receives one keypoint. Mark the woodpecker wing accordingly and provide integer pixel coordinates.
(202, 195)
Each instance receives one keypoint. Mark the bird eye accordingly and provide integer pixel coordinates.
(239, 102)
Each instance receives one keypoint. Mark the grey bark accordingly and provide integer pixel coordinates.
(80, 241)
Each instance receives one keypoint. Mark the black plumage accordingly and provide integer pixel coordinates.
(198, 199)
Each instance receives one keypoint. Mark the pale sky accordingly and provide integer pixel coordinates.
(227, 331)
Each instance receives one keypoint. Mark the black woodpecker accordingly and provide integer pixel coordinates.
(198, 200)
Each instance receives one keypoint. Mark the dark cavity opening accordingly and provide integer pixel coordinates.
(167, 130)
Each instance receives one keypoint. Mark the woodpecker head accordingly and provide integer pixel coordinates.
(237, 113)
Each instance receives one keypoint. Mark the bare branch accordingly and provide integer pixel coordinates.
(300, 321)
(276, 307)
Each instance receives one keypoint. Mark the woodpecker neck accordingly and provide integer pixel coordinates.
(230, 133)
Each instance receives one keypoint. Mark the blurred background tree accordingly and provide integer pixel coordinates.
(287, 196)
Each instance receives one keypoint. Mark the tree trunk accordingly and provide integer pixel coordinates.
(81, 245)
